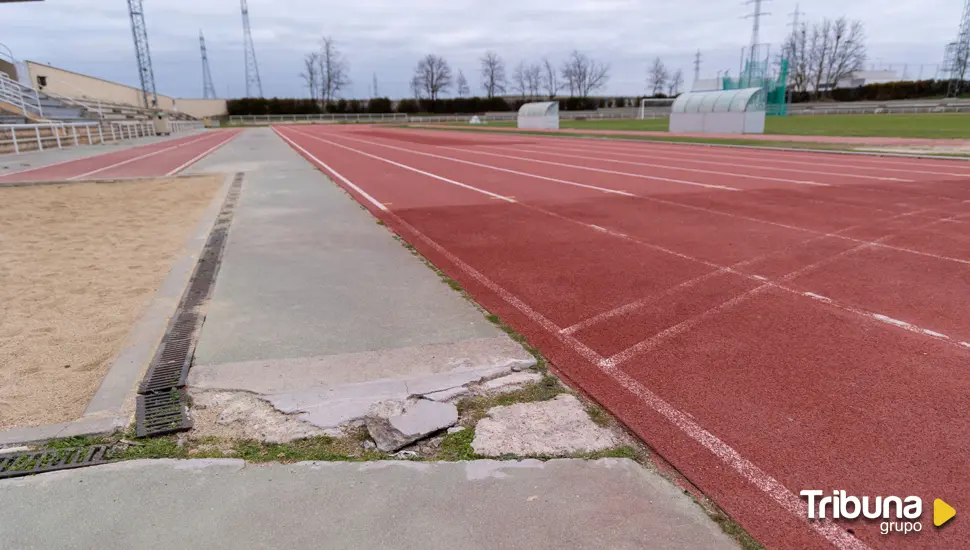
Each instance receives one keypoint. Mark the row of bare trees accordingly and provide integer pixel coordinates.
(579, 74)
(821, 55)
(325, 72)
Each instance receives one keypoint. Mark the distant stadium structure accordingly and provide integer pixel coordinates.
(720, 112)
(539, 116)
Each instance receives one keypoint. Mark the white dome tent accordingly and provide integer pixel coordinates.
(539, 116)
(720, 112)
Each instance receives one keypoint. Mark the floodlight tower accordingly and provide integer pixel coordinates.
(146, 74)
(208, 88)
(254, 86)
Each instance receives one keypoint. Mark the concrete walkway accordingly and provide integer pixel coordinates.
(34, 159)
(318, 308)
(229, 504)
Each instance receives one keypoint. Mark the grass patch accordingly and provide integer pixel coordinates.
(473, 409)
(458, 446)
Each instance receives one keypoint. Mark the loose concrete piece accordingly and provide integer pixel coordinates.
(550, 428)
(227, 504)
(511, 382)
(395, 424)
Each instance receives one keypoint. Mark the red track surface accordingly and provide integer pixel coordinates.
(157, 159)
(769, 322)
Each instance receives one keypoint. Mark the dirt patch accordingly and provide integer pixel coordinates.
(79, 263)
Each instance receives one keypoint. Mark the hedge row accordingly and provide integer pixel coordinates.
(468, 105)
(921, 89)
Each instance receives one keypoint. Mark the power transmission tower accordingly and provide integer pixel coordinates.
(754, 70)
(697, 66)
(254, 86)
(208, 88)
(146, 74)
(958, 54)
(376, 93)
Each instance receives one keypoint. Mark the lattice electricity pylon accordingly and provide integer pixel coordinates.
(253, 83)
(208, 88)
(145, 73)
(958, 58)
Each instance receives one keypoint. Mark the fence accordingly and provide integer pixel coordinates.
(22, 97)
(21, 138)
(253, 120)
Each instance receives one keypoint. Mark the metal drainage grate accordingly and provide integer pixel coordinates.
(162, 413)
(162, 407)
(39, 462)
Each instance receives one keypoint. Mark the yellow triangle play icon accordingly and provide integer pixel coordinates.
(942, 512)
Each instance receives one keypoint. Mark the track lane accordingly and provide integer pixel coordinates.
(727, 487)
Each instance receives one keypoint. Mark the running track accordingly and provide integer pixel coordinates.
(769, 322)
(163, 158)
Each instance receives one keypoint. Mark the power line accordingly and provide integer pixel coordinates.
(254, 86)
(208, 88)
(146, 75)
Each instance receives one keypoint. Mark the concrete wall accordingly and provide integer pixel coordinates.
(8, 68)
(71, 84)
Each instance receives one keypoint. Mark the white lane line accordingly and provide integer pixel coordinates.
(818, 297)
(496, 168)
(692, 157)
(600, 170)
(688, 206)
(140, 157)
(663, 166)
(743, 467)
(323, 165)
(411, 168)
(910, 327)
(202, 155)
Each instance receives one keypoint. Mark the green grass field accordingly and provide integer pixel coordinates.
(944, 126)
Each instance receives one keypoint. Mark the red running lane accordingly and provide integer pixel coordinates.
(753, 391)
(156, 159)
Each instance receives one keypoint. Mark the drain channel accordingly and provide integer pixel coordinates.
(162, 405)
(39, 462)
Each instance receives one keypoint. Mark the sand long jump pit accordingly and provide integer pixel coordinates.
(79, 265)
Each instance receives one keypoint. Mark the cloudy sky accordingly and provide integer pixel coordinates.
(387, 37)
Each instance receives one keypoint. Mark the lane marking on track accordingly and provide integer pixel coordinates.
(683, 205)
(655, 340)
(600, 170)
(309, 155)
(818, 297)
(664, 166)
(202, 155)
(695, 157)
(910, 327)
(757, 477)
(140, 157)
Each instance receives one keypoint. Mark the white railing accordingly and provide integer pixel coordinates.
(21, 138)
(278, 119)
(23, 97)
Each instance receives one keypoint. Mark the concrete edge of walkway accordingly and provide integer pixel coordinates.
(112, 406)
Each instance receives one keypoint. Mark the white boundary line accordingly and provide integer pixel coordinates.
(201, 156)
(746, 469)
(140, 157)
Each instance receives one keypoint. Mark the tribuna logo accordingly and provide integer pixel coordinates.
(839, 505)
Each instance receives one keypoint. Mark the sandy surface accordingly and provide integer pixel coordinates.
(79, 263)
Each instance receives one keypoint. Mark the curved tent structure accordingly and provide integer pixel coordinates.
(542, 116)
(720, 112)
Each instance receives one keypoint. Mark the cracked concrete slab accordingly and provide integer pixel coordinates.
(227, 504)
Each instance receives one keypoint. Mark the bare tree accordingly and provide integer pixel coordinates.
(794, 49)
(834, 50)
(675, 82)
(333, 70)
(550, 79)
(583, 75)
(310, 75)
(462, 84)
(432, 76)
(657, 77)
(493, 74)
(533, 79)
(518, 79)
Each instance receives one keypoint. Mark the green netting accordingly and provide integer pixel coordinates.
(756, 75)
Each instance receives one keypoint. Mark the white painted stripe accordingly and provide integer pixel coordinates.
(910, 327)
(663, 166)
(327, 168)
(744, 468)
(760, 278)
(818, 297)
(600, 170)
(141, 157)
(496, 168)
(202, 155)
(965, 344)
